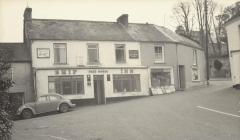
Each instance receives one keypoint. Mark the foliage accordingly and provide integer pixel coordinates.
(5, 83)
(217, 65)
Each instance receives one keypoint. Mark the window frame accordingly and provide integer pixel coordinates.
(124, 53)
(71, 79)
(195, 63)
(65, 46)
(97, 49)
(198, 74)
(124, 79)
(157, 59)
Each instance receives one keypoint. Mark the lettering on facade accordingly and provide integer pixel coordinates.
(98, 71)
(126, 71)
(65, 72)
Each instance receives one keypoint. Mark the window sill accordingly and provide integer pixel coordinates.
(196, 80)
(159, 62)
(121, 62)
(93, 63)
(60, 63)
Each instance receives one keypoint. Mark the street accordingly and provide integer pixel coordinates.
(206, 113)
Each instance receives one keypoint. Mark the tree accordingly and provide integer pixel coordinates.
(185, 18)
(5, 83)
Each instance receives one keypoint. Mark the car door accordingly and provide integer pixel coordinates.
(54, 102)
(42, 105)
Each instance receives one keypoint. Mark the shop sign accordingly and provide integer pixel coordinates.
(126, 71)
(98, 71)
(65, 72)
(133, 54)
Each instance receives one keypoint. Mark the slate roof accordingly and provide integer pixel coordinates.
(53, 29)
(20, 52)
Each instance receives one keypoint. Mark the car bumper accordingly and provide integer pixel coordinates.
(72, 105)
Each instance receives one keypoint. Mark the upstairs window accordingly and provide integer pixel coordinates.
(120, 53)
(194, 57)
(159, 54)
(93, 54)
(60, 53)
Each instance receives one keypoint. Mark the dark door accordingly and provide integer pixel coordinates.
(99, 89)
(182, 81)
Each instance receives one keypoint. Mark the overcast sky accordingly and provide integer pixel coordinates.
(140, 11)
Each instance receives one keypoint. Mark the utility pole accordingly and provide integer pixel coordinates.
(206, 41)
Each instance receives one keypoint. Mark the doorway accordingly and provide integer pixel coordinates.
(99, 92)
(182, 80)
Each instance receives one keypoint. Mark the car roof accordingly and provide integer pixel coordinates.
(51, 94)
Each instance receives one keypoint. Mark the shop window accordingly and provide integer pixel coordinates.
(126, 83)
(93, 54)
(160, 77)
(159, 54)
(195, 74)
(66, 85)
(60, 53)
(120, 54)
(195, 57)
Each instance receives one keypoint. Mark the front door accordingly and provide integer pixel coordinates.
(182, 82)
(99, 89)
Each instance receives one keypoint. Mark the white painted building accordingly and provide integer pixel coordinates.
(233, 31)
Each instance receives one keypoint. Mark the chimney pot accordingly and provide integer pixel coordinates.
(123, 19)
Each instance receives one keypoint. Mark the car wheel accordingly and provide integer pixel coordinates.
(27, 114)
(63, 108)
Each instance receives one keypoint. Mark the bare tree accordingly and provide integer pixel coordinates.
(184, 16)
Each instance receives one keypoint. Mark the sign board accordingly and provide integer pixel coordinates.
(133, 54)
(43, 52)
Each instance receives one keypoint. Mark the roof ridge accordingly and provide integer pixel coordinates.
(157, 27)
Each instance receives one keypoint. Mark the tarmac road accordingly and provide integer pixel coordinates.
(207, 113)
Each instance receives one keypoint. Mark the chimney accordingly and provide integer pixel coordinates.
(27, 13)
(123, 19)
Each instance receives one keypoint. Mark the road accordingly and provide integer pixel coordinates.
(207, 113)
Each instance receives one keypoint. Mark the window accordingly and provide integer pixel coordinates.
(159, 54)
(126, 83)
(9, 74)
(60, 53)
(120, 54)
(42, 99)
(54, 98)
(195, 74)
(93, 56)
(160, 77)
(194, 57)
(66, 85)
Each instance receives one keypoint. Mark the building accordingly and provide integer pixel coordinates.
(104, 60)
(233, 31)
(174, 61)
(20, 72)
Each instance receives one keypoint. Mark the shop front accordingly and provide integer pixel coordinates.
(162, 80)
(93, 83)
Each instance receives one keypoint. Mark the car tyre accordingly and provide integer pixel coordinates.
(63, 108)
(27, 114)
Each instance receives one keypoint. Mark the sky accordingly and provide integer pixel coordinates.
(157, 12)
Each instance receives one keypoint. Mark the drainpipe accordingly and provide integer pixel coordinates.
(178, 77)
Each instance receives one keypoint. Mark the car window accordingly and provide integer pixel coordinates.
(42, 99)
(54, 98)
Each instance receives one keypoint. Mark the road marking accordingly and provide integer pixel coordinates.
(220, 112)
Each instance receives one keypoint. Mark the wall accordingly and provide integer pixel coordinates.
(170, 57)
(76, 49)
(185, 57)
(42, 83)
(22, 79)
(233, 33)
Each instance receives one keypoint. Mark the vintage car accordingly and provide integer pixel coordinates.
(43, 104)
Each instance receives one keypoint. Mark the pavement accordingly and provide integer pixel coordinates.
(206, 113)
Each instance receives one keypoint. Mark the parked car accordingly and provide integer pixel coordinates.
(43, 104)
